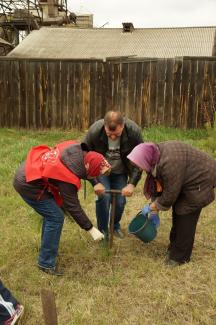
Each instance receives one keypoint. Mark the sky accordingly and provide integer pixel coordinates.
(147, 13)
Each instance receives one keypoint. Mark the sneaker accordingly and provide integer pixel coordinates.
(118, 233)
(16, 316)
(51, 270)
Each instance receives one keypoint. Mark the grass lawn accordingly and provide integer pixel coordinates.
(128, 285)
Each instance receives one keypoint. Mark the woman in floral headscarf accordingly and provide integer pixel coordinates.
(181, 177)
(50, 179)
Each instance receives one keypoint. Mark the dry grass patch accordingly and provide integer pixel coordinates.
(128, 285)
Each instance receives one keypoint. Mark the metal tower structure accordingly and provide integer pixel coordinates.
(19, 17)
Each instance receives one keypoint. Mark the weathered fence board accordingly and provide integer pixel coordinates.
(146, 71)
(178, 92)
(153, 93)
(138, 93)
(99, 82)
(177, 82)
(72, 95)
(92, 100)
(199, 85)
(116, 86)
(160, 108)
(168, 100)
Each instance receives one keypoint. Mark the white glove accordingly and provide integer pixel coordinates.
(96, 234)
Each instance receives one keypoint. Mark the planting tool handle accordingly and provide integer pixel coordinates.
(113, 191)
(114, 194)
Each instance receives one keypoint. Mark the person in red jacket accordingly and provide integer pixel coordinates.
(48, 181)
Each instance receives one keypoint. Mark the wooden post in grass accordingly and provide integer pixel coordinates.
(49, 307)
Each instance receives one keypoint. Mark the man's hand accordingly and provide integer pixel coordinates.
(99, 189)
(128, 190)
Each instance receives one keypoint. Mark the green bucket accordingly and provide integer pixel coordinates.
(142, 228)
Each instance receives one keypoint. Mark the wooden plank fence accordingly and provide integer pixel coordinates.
(178, 92)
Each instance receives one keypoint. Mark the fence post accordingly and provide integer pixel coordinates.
(49, 307)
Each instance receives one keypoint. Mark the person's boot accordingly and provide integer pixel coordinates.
(51, 270)
(170, 262)
(118, 233)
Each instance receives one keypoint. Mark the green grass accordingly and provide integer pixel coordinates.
(158, 134)
(128, 285)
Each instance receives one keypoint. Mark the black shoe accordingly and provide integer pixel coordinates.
(171, 263)
(118, 233)
(50, 270)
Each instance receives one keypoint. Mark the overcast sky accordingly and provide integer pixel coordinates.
(148, 13)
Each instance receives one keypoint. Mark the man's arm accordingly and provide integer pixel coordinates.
(135, 175)
(91, 136)
(135, 172)
(89, 139)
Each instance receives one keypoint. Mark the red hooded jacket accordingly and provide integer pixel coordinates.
(44, 163)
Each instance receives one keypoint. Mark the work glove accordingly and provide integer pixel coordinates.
(96, 234)
(154, 217)
(146, 210)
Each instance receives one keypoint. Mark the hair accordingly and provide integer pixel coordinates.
(112, 119)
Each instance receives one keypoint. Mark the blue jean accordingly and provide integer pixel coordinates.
(53, 220)
(103, 202)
